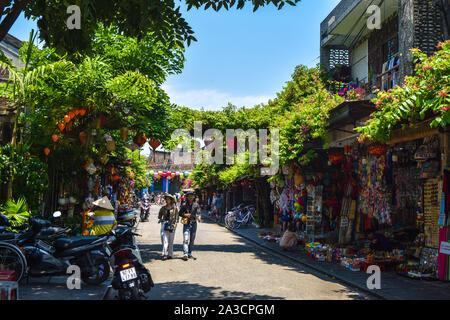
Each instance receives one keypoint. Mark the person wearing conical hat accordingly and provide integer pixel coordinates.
(104, 219)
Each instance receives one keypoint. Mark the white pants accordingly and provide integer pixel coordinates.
(167, 239)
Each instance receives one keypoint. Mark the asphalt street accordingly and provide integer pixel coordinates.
(225, 266)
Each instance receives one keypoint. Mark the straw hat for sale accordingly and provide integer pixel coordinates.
(103, 203)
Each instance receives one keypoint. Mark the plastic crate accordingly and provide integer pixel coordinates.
(9, 289)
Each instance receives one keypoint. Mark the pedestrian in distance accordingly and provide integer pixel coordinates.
(168, 217)
(190, 214)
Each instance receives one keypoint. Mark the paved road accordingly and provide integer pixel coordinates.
(229, 267)
(226, 267)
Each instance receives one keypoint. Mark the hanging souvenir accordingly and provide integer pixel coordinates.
(91, 169)
(55, 137)
(47, 151)
(67, 118)
(61, 126)
(124, 133)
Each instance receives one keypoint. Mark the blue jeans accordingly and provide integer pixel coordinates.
(189, 233)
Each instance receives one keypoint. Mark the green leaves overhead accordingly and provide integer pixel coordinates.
(425, 95)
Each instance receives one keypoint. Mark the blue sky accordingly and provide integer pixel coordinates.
(242, 57)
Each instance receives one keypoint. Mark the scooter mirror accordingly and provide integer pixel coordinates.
(56, 214)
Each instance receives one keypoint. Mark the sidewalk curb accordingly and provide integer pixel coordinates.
(328, 274)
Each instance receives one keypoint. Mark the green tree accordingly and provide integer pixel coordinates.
(135, 18)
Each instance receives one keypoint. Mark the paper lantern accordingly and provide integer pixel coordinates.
(163, 175)
(304, 219)
(67, 118)
(172, 175)
(152, 172)
(177, 173)
(82, 137)
(160, 173)
(82, 112)
(336, 157)
(55, 137)
(186, 174)
(77, 112)
(155, 175)
(154, 143)
(169, 173)
(61, 126)
(97, 123)
(47, 151)
(71, 115)
(124, 133)
(140, 139)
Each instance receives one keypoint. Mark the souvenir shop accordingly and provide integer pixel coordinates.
(391, 190)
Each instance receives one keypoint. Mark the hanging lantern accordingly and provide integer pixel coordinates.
(97, 123)
(61, 126)
(169, 173)
(67, 118)
(71, 115)
(164, 175)
(77, 112)
(336, 157)
(140, 139)
(298, 179)
(172, 175)
(378, 149)
(124, 133)
(186, 174)
(82, 137)
(152, 172)
(82, 112)
(47, 151)
(55, 137)
(154, 143)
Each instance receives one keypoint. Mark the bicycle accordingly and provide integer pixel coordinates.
(234, 219)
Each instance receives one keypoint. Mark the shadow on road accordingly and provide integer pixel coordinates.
(183, 290)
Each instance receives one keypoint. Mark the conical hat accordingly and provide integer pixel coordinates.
(103, 203)
(174, 199)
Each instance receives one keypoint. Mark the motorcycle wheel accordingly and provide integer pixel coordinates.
(130, 294)
(101, 274)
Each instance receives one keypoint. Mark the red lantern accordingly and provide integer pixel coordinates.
(140, 139)
(55, 137)
(82, 112)
(71, 115)
(67, 118)
(77, 112)
(47, 151)
(61, 126)
(154, 143)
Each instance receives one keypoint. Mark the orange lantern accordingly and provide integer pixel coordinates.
(47, 151)
(82, 112)
(67, 118)
(71, 115)
(55, 137)
(61, 126)
(77, 112)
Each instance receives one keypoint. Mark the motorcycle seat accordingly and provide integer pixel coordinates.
(72, 242)
(7, 236)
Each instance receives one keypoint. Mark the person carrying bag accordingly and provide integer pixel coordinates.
(168, 217)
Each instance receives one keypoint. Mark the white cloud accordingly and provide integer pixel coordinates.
(211, 99)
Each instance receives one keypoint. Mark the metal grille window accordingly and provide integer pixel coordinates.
(339, 57)
(428, 26)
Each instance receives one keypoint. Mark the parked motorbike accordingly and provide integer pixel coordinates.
(52, 258)
(131, 279)
(126, 216)
(145, 209)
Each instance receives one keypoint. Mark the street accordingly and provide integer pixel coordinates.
(227, 266)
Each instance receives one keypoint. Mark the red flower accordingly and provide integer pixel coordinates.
(443, 94)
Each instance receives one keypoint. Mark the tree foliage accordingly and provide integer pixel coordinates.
(424, 95)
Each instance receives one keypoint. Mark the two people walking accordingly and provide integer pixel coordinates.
(169, 216)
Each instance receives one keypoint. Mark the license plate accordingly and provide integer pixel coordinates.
(128, 274)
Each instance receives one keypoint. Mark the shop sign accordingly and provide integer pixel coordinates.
(445, 248)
